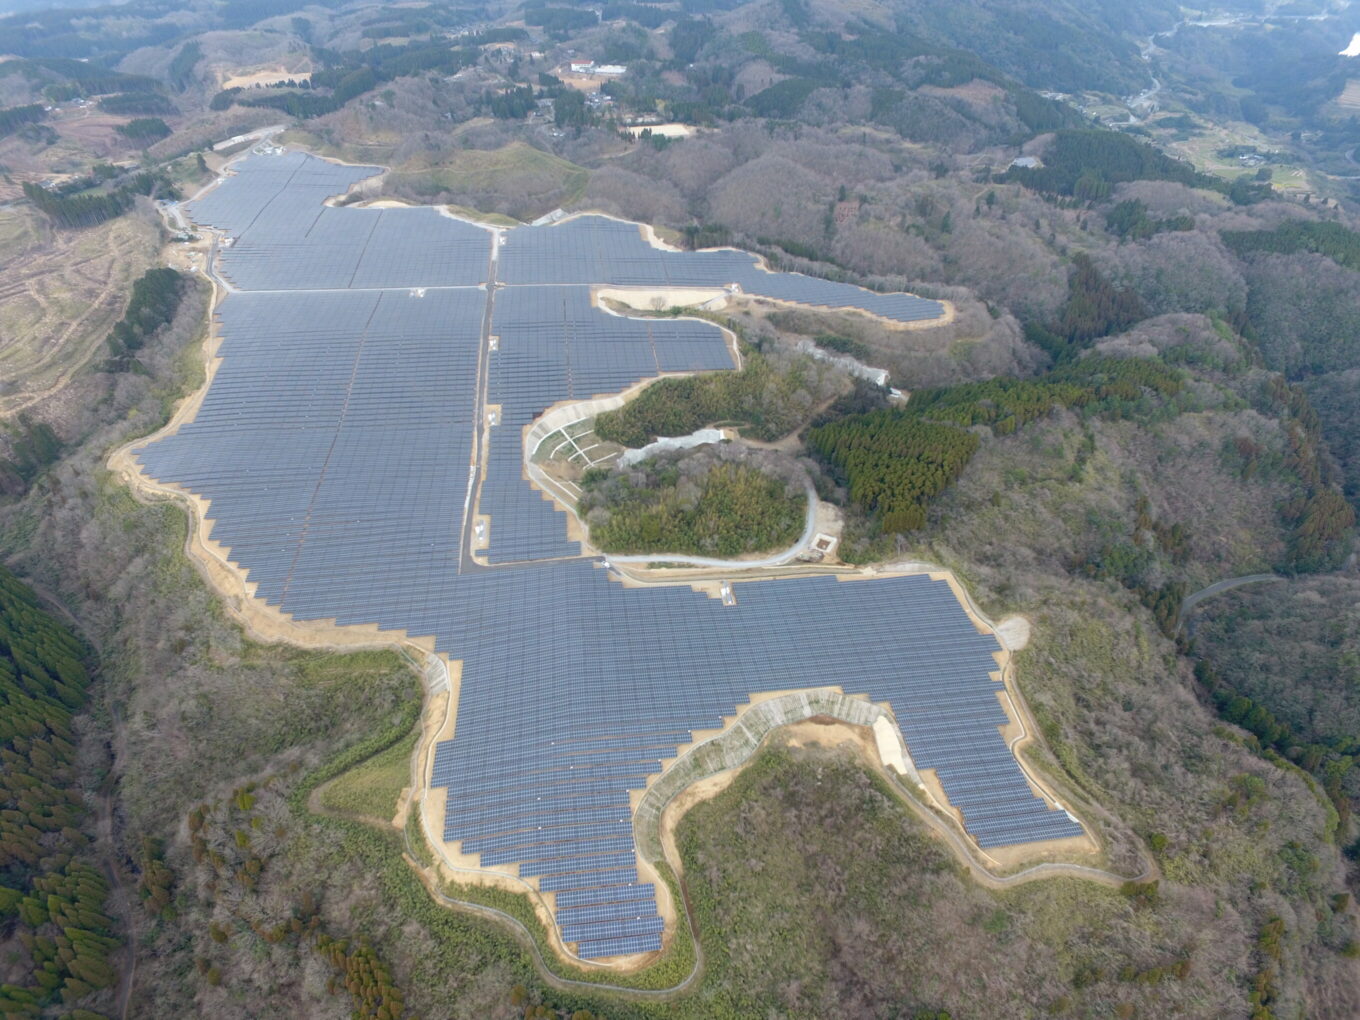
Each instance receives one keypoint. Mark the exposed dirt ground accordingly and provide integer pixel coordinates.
(269, 76)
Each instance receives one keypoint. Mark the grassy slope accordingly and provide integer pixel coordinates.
(371, 789)
(516, 179)
(503, 186)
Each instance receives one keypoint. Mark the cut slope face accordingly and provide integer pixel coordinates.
(363, 433)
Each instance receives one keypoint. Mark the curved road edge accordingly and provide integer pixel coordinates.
(777, 560)
(1217, 588)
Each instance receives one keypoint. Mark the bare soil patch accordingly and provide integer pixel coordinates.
(261, 79)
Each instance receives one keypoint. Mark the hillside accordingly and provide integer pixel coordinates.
(1146, 382)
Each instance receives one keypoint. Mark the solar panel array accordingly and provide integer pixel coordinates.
(333, 446)
(555, 346)
(291, 186)
(560, 720)
(283, 238)
(329, 442)
(358, 248)
(598, 250)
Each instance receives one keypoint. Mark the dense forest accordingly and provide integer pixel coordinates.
(1094, 308)
(144, 130)
(1086, 164)
(155, 299)
(1135, 563)
(69, 79)
(15, 117)
(181, 69)
(1105, 384)
(697, 505)
(94, 203)
(1277, 659)
(770, 396)
(1337, 242)
(894, 463)
(137, 102)
(83, 210)
(51, 897)
(1320, 519)
(1130, 220)
(33, 446)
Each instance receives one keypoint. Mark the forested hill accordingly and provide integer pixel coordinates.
(1064, 45)
(1149, 383)
(51, 896)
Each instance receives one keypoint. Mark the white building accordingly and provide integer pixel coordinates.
(590, 67)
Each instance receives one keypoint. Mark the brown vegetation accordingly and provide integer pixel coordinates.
(62, 293)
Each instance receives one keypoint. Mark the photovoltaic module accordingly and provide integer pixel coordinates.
(334, 444)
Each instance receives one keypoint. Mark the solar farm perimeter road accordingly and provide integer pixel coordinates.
(334, 448)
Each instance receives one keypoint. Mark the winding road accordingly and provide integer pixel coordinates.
(1218, 587)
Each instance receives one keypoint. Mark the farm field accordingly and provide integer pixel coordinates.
(1202, 150)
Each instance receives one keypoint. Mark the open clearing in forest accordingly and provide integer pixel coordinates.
(241, 79)
(515, 169)
(1202, 151)
(60, 294)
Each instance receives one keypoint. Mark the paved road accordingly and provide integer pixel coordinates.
(1191, 601)
(476, 472)
(256, 135)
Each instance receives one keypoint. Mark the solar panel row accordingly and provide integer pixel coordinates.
(324, 442)
(554, 346)
(292, 186)
(333, 447)
(597, 250)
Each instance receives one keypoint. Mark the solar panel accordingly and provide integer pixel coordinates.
(598, 250)
(333, 449)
